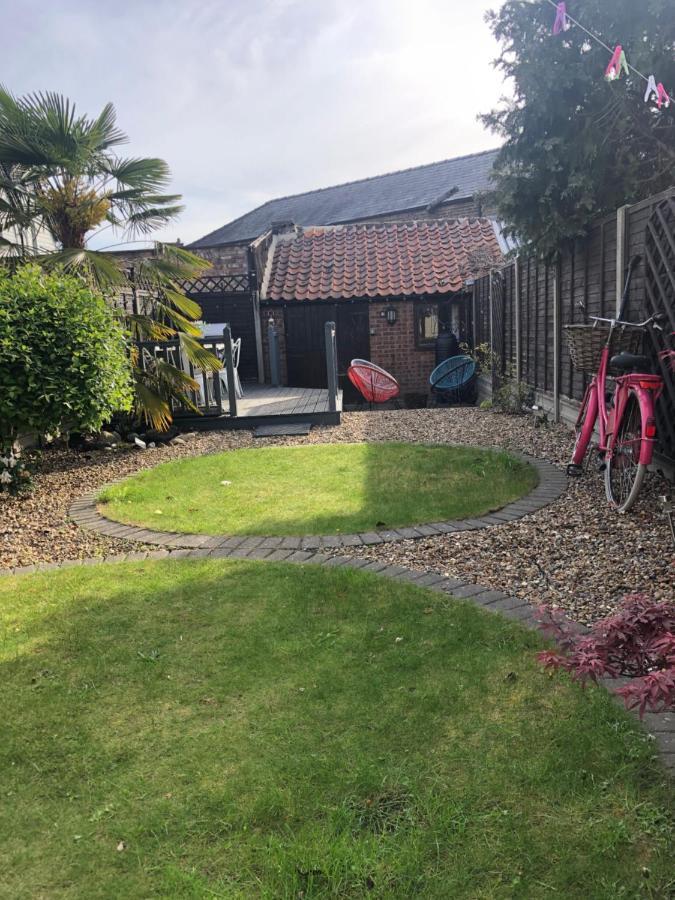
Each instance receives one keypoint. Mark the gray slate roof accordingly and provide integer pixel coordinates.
(382, 194)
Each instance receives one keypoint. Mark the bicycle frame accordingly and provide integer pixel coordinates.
(594, 408)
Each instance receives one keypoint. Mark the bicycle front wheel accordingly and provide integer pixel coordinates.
(624, 473)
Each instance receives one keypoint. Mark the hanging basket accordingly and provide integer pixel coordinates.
(586, 343)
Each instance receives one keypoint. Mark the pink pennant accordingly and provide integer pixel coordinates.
(616, 64)
(561, 21)
(662, 97)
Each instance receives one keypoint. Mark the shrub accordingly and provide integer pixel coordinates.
(513, 397)
(63, 355)
(638, 641)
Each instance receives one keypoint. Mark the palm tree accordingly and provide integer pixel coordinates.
(62, 184)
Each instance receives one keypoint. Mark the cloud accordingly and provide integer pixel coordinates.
(252, 99)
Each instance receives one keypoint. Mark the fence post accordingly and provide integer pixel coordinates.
(557, 342)
(474, 313)
(490, 311)
(331, 365)
(516, 311)
(620, 254)
(273, 345)
(229, 368)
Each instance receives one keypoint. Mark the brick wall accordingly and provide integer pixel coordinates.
(393, 347)
(230, 259)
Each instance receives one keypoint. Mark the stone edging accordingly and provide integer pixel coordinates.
(660, 725)
(552, 483)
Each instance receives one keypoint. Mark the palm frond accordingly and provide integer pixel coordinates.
(146, 221)
(184, 304)
(170, 318)
(147, 328)
(198, 355)
(147, 174)
(157, 382)
(105, 130)
(100, 269)
(150, 405)
(171, 263)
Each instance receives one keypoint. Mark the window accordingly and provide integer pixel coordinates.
(426, 324)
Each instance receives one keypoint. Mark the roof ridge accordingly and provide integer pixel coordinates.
(385, 224)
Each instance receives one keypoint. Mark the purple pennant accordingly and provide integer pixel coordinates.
(561, 22)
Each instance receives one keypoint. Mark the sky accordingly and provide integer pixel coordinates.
(253, 99)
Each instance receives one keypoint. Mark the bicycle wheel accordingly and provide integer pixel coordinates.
(624, 473)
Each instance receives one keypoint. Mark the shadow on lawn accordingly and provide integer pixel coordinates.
(393, 489)
(222, 716)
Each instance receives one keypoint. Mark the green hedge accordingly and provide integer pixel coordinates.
(63, 357)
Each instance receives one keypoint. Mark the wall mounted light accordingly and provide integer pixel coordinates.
(390, 315)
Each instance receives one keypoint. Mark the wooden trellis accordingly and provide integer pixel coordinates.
(660, 300)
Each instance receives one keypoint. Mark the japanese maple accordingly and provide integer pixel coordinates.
(638, 641)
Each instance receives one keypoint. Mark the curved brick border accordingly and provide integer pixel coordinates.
(552, 483)
(660, 725)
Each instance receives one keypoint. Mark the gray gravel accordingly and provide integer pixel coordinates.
(576, 553)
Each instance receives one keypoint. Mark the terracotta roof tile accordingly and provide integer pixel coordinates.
(379, 260)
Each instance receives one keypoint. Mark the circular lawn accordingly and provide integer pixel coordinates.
(319, 489)
(249, 730)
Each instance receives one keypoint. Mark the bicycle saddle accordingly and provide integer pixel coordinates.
(631, 362)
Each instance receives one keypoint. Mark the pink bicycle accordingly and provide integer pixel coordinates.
(626, 423)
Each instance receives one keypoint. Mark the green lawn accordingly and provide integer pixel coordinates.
(319, 489)
(200, 729)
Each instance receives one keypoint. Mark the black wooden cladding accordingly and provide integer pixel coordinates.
(587, 287)
(238, 311)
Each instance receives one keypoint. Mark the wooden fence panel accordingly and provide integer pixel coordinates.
(587, 287)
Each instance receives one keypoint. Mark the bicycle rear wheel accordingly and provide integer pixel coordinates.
(624, 473)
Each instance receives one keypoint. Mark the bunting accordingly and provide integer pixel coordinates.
(618, 64)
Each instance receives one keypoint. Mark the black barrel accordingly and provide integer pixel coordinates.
(447, 345)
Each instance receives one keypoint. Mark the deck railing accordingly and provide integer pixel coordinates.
(213, 398)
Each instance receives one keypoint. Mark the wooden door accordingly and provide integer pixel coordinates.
(305, 342)
(353, 342)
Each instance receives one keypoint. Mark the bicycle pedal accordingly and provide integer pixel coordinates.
(574, 471)
(601, 466)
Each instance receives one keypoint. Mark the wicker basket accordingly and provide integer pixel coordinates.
(586, 343)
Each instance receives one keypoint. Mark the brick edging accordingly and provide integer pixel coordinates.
(552, 483)
(660, 725)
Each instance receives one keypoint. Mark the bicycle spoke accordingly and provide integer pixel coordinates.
(624, 465)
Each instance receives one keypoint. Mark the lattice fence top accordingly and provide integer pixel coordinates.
(218, 284)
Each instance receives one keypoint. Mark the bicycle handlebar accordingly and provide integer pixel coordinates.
(655, 319)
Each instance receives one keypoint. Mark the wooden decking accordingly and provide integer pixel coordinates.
(263, 404)
(263, 400)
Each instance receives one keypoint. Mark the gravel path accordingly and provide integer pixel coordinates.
(575, 553)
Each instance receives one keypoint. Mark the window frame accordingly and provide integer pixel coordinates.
(418, 317)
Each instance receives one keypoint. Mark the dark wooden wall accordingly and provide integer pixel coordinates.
(586, 286)
(237, 310)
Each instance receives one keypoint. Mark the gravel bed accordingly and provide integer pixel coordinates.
(575, 553)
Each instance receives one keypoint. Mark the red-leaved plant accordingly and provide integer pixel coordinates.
(637, 641)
